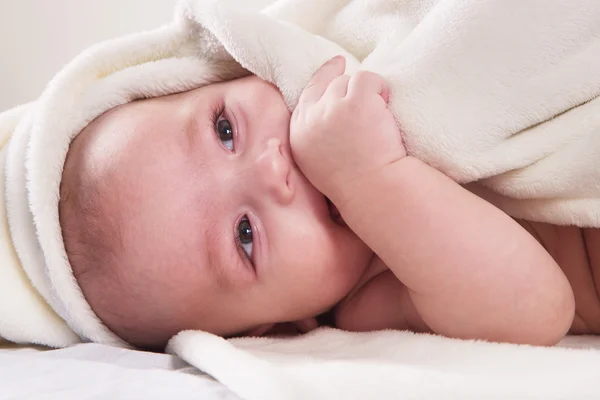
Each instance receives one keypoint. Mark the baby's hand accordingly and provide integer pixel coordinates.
(342, 131)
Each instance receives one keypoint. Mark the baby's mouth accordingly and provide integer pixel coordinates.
(334, 213)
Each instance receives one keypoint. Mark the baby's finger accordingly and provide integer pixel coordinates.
(364, 82)
(338, 88)
(321, 80)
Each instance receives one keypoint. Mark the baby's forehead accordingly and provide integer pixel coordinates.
(126, 121)
(119, 130)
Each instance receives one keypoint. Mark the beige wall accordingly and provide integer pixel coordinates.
(37, 37)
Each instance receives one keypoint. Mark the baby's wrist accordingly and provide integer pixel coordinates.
(349, 194)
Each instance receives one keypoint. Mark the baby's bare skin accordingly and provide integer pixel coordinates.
(381, 300)
(247, 239)
(463, 268)
(577, 252)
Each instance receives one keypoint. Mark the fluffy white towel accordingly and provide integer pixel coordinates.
(331, 364)
(500, 94)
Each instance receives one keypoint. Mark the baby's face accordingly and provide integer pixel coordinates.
(220, 229)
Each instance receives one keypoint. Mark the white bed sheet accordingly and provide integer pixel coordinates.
(94, 372)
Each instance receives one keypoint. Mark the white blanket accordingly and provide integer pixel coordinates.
(502, 92)
(331, 364)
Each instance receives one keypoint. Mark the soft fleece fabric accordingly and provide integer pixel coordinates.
(501, 95)
(332, 364)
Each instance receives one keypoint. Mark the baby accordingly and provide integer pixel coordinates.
(216, 209)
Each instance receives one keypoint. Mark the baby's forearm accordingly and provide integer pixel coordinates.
(472, 271)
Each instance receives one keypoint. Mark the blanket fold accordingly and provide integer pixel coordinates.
(500, 95)
(332, 364)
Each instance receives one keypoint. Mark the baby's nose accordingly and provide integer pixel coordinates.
(274, 171)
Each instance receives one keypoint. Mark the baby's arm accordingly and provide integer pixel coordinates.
(470, 270)
(379, 301)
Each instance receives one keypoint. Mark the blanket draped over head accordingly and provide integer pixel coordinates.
(500, 95)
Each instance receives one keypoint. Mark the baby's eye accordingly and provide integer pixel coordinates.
(244, 237)
(225, 132)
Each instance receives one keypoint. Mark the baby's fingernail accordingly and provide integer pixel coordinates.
(337, 58)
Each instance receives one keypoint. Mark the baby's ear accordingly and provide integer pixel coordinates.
(285, 328)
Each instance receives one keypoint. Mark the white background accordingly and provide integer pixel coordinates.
(37, 37)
